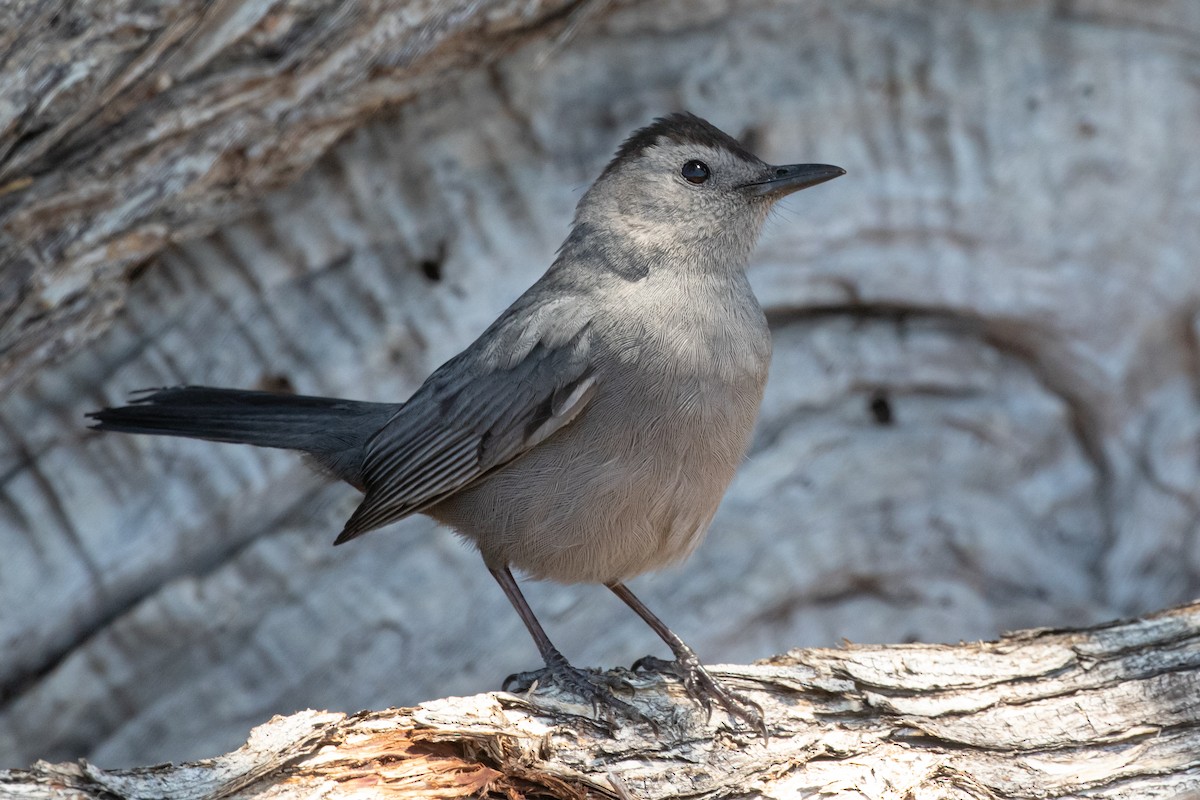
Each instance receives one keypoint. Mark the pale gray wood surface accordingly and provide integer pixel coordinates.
(982, 413)
(125, 126)
(1106, 714)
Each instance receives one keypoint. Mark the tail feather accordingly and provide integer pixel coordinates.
(331, 430)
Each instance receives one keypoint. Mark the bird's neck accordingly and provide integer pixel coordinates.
(632, 247)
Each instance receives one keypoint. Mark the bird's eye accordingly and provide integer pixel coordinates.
(695, 171)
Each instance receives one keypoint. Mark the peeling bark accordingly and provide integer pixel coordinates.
(1110, 712)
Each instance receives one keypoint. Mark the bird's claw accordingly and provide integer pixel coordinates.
(593, 687)
(706, 690)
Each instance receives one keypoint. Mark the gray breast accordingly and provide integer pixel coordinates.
(632, 484)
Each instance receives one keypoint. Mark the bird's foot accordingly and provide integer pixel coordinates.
(705, 689)
(593, 687)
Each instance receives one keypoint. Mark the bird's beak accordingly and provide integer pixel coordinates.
(779, 181)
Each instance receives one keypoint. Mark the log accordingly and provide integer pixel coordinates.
(1107, 712)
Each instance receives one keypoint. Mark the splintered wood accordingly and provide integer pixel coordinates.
(1109, 712)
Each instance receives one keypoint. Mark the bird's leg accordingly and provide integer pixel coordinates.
(582, 683)
(702, 686)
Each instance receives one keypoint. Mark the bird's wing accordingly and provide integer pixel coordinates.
(525, 378)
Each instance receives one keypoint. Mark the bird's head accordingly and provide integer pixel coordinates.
(681, 181)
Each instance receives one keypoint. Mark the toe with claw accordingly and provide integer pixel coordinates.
(705, 689)
(592, 687)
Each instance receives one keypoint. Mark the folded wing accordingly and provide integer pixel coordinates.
(479, 411)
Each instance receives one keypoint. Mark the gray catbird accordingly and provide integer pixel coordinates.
(590, 432)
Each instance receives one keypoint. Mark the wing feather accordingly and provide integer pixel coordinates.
(477, 412)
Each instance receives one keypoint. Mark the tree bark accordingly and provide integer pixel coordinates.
(1107, 712)
(126, 126)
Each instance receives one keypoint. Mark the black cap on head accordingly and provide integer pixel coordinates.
(680, 127)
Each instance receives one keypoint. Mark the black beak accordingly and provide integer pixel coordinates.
(779, 181)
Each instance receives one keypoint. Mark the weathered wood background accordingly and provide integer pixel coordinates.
(983, 410)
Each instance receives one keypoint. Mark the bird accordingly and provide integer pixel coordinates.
(590, 432)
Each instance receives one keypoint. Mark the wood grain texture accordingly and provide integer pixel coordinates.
(981, 415)
(1112, 712)
(125, 126)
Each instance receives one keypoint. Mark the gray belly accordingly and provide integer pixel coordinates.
(628, 487)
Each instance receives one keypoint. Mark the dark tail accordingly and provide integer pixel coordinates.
(331, 430)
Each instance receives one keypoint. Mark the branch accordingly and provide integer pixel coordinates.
(1108, 712)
